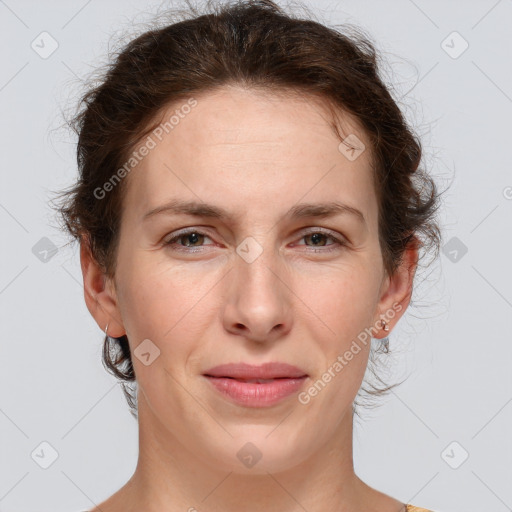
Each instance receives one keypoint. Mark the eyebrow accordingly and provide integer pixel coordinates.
(299, 211)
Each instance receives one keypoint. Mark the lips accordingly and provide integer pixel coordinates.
(256, 386)
(266, 372)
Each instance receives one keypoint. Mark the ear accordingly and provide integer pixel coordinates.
(396, 291)
(99, 292)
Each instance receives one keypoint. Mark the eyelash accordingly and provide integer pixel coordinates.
(169, 243)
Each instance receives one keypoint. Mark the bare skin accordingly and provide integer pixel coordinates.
(202, 304)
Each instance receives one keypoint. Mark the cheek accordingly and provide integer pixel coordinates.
(340, 301)
(343, 303)
(164, 304)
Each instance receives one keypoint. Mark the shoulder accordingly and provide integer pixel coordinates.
(412, 508)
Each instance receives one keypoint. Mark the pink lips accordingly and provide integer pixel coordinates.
(256, 386)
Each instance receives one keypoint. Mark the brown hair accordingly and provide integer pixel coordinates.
(255, 44)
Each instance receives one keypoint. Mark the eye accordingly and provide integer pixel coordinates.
(317, 236)
(191, 237)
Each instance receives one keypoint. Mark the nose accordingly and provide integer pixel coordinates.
(258, 300)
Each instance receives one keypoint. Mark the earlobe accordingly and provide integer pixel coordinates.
(397, 293)
(100, 296)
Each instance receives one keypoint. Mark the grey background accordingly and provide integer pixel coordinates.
(453, 343)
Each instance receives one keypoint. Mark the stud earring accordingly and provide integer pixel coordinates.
(385, 326)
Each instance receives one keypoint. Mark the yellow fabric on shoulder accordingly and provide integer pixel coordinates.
(412, 508)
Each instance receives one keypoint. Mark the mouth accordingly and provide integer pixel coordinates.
(256, 386)
(262, 373)
(254, 381)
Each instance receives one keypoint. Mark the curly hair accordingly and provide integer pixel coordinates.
(257, 44)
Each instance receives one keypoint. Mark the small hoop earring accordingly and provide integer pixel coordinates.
(106, 329)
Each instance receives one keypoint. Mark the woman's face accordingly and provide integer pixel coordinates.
(266, 280)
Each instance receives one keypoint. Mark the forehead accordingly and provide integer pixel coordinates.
(250, 148)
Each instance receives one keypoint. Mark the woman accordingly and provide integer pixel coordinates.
(250, 213)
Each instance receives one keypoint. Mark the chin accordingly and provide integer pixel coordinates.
(256, 450)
